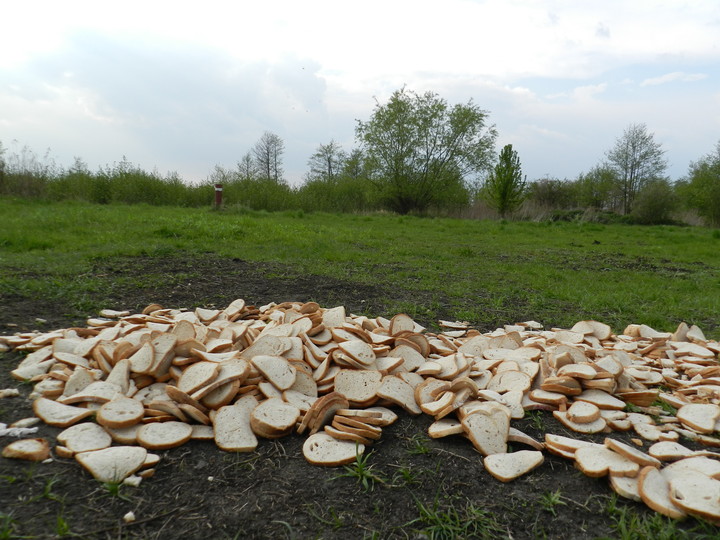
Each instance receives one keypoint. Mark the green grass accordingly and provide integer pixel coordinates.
(362, 472)
(489, 273)
(436, 522)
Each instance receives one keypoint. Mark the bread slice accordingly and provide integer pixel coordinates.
(274, 418)
(669, 451)
(698, 495)
(120, 412)
(164, 435)
(27, 449)
(507, 467)
(565, 446)
(233, 432)
(595, 426)
(397, 391)
(633, 454)
(487, 427)
(84, 437)
(598, 460)
(113, 464)
(343, 435)
(445, 427)
(323, 449)
(515, 435)
(583, 412)
(602, 399)
(654, 491)
(699, 416)
(625, 486)
(276, 369)
(57, 414)
(358, 386)
(197, 375)
(126, 435)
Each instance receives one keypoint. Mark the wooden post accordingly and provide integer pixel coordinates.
(218, 196)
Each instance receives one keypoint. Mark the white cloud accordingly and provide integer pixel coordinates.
(675, 76)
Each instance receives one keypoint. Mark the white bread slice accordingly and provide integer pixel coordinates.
(126, 435)
(113, 464)
(120, 375)
(625, 486)
(598, 460)
(27, 449)
(699, 416)
(232, 426)
(445, 427)
(583, 412)
(358, 386)
(633, 454)
(654, 490)
(276, 370)
(120, 412)
(57, 414)
(163, 435)
(78, 380)
(515, 435)
(601, 398)
(487, 427)
(506, 467)
(343, 435)
(412, 359)
(142, 360)
(84, 437)
(274, 418)
(323, 449)
(202, 432)
(95, 392)
(359, 350)
(698, 495)
(669, 451)
(197, 375)
(397, 391)
(595, 426)
(694, 464)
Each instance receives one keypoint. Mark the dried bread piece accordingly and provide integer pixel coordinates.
(598, 460)
(669, 451)
(654, 490)
(595, 426)
(358, 386)
(323, 449)
(27, 449)
(120, 412)
(583, 412)
(699, 416)
(633, 454)
(276, 370)
(507, 467)
(698, 495)
(396, 390)
(233, 432)
(113, 464)
(274, 418)
(487, 427)
(164, 435)
(84, 437)
(57, 414)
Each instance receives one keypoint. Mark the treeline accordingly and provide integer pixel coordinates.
(416, 154)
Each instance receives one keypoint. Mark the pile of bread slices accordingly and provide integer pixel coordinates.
(130, 383)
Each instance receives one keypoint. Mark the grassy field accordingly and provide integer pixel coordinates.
(488, 273)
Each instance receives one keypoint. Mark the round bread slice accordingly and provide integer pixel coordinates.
(28, 449)
(445, 427)
(276, 369)
(625, 486)
(698, 495)
(506, 467)
(197, 375)
(342, 435)
(113, 464)
(323, 449)
(669, 451)
(595, 426)
(84, 437)
(596, 461)
(654, 490)
(699, 416)
(358, 386)
(273, 418)
(120, 412)
(583, 412)
(633, 454)
(232, 428)
(163, 435)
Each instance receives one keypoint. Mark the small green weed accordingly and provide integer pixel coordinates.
(418, 444)
(550, 500)
(7, 526)
(47, 492)
(362, 472)
(537, 418)
(114, 489)
(405, 476)
(62, 527)
(470, 522)
(333, 520)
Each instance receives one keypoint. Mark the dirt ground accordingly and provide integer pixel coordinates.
(200, 491)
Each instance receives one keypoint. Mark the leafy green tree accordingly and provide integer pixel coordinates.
(656, 203)
(636, 159)
(327, 161)
(702, 188)
(268, 153)
(553, 193)
(506, 189)
(599, 189)
(416, 143)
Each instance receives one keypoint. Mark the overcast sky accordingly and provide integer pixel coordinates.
(183, 86)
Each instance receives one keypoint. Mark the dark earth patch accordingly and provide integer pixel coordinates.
(202, 492)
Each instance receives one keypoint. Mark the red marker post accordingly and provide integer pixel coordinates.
(218, 196)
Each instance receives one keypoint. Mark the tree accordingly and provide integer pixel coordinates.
(327, 161)
(268, 153)
(505, 189)
(599, 189)
(636, 159)
(415, 144)
(702, 190)
(246, 168)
